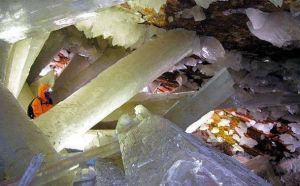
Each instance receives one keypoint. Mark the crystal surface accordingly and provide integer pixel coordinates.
(25, 97)
(205, 3)
(211, 48)
(54, 43)
(157, 152)
(110, 56)
(189, 110)
(20, 139)
(57, 169)
(195, 12)
(124, 27)
(278, 28)
(93, 102)
(157, 103)
(277, 2)
(20, 59)
(20, 19)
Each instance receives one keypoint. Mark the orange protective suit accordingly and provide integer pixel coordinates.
(41, 104)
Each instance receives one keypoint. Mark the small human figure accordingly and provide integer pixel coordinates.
(42, 103)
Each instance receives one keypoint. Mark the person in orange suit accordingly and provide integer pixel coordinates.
(43, 102)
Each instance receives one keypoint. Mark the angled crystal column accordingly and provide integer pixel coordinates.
(25, 96)
(78, 64)
(157, 103)
(20, 139)
(156, 152)
(92, 139)
(114, 87)
(20, 60)
(59, 168)
(4, 57)
(16, 56)
(20, 19)
(109, 57)
(54, 43)
(210, 96)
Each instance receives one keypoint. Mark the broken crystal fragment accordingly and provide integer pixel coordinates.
(155, 151)
(212, 49)
(291, 142)
(81, 111)
(195, 12)
(264, 127)
(277, 2)
(278, 28)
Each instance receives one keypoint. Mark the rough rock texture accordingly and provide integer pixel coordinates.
(231, 29)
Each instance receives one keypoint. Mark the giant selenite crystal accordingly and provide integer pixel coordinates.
(110, 56)
(22, 19)
(20, 139)
(114, 87)
(157, 103)
(20, 58)
(156, 152)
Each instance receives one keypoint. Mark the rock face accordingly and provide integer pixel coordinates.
(156, 152)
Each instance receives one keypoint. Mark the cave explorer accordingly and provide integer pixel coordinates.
(42, 103)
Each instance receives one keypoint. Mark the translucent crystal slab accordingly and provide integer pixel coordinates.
(25, 97)
(23, 19)
(109, 57)
(52, 46)
(277, 28)
(109, 174)
(20, 139)
(210, 96)
(157, 103)
(114, 87)
(21, 57)
(4, 56)
(156, 152)
(92, 139)
(59, 168)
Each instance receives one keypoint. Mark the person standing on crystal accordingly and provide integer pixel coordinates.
(42, 103)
